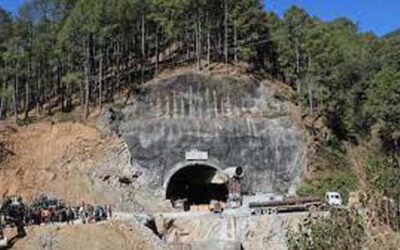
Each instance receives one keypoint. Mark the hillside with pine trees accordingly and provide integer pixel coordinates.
(60, 56)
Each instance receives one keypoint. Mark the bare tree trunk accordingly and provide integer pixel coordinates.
(82, 93)
(226, 31)
(39, 92)
(27, 99)
(143, 48)
(187, 38)
(235, 41)
(297, 56)
(1, 108)
(15, 98)
(101, 83)
(87, 77)
(298, 80)
(310, 98)
(196, 30)
(2, 102)
(60, 82)
(68, 87)
(118, 66)
(68, 93)
(208, 47)
(199, 43)
(310, 89)
(157, 52)
(82, 84)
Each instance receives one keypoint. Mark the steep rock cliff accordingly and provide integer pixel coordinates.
(238, 121)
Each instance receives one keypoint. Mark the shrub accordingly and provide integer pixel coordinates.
(64, 117)
(383, 174)
(341, 229)
(329, 180)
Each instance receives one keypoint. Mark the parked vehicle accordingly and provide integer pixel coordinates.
(333, 199)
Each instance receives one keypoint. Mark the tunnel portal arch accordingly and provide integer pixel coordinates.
(193, 181)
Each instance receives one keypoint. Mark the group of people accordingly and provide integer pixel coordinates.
(90, 214)
(50, 210)
(46, 209)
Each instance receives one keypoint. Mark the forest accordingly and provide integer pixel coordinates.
(83, 53)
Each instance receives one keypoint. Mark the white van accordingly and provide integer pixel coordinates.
(333, 199)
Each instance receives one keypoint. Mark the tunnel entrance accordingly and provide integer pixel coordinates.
(194, 183)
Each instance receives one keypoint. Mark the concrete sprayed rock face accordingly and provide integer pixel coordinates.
(239, 122)
(231, 231)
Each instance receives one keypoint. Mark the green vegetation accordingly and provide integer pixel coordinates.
(59, 52)
(334, 173)
(342, 230)
(382, 175)
(340, 181)
(25, 122)
(65, 117)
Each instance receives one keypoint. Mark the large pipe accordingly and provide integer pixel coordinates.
(285, 202)
(223, 176)
(234, 172)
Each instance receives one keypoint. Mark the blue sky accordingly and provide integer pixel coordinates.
(379, 16)
(11, 5)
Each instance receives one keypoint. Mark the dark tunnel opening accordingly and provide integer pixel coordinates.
(194, 184)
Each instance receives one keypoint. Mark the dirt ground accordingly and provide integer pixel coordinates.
(51, 158)
(108, 235)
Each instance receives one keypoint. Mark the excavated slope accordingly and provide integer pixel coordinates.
(72, 161)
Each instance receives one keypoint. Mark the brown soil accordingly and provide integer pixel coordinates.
(51, 158)
(109, 235)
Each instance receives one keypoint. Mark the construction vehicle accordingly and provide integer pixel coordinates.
(295, 204)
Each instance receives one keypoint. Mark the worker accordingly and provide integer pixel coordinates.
(105, 210)
(17, 212)
(69, 214)
(97, 214)
(109, 211)
(82, 213)
(3, 239)
(234, 189)
(1, 231)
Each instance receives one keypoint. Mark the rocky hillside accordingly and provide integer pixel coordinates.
(239, 121)
(126, 158)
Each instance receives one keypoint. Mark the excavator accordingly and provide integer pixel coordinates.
(12, 214)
